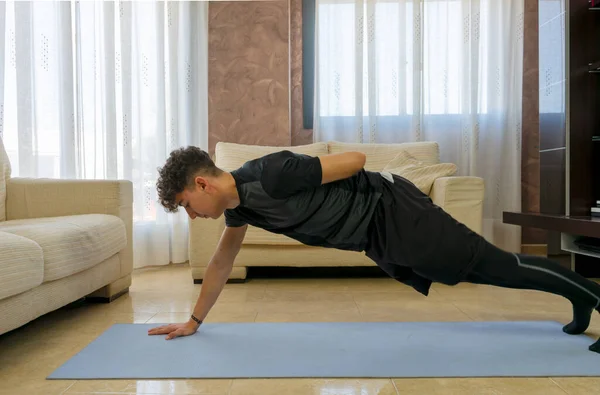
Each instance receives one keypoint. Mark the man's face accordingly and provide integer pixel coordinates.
(202, 200)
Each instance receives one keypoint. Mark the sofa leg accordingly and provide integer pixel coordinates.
(110, 292)
(106, 299)
(238, 275)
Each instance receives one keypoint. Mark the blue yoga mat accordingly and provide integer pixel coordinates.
(337, 350)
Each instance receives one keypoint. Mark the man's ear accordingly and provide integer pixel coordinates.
(200, 182)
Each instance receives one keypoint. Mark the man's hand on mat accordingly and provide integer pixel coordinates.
(175, 330)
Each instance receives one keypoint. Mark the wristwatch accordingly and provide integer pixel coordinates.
(196, 319)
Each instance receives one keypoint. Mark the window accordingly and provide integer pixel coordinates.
(444, 60)
(39, 132)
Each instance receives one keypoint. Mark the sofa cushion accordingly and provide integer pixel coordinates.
(417, 172)
(71, 244)
(4, 176)
(21, 265)
(230, 156)
(379, 155)
(461, 197)
(260, 236)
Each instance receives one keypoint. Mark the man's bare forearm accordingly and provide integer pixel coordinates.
(218, 271)
(215, 278)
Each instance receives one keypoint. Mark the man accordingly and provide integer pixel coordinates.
(332, 201)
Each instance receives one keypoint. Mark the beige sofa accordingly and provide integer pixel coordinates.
(461, 197)
(61, 240)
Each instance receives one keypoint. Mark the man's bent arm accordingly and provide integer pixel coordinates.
(218, 270)
(336, 167)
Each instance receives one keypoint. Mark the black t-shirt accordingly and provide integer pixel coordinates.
(282, 193)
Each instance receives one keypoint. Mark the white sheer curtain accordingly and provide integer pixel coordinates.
(391, 71)
(105, 90)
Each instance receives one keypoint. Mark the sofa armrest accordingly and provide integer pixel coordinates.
(42, 197)
(462, 198)
(204, 236)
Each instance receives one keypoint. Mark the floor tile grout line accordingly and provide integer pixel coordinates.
(357, 308)
(147, 321)
(462, 311)
(69, 387)
(230, 387)
(558, 385)
(436, 292)
(262, 298)
(395, 387)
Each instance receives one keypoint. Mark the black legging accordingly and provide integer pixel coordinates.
(518, 271)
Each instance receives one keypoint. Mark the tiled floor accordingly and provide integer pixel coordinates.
(30, 353)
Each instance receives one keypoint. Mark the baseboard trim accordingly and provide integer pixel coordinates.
(535, 249)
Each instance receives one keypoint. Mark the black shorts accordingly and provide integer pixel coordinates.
(413, 239)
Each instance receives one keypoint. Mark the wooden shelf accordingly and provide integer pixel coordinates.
(582, 226)
(568, 244)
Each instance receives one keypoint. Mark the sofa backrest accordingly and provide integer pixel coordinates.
(379, 155)
(230, 156)
(4, 176)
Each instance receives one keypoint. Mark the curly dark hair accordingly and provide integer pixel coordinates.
(179, 171)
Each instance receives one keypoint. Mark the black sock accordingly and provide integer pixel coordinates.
(595, 347)
(581, 320)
